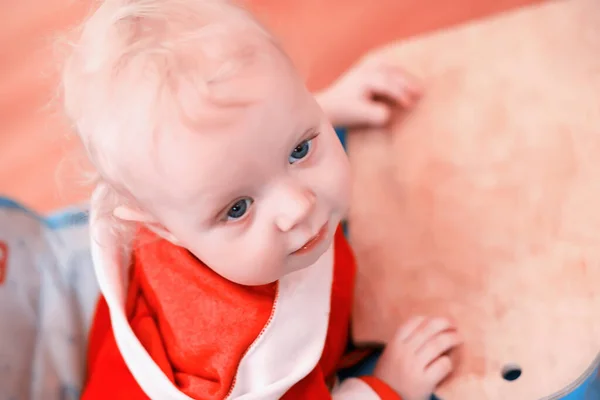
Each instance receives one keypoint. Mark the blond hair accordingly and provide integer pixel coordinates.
(134, 62)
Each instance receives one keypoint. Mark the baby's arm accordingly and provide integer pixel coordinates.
(412, 366)
(415, 362)
(366, 94)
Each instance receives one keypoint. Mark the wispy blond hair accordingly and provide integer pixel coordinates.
(130, 69)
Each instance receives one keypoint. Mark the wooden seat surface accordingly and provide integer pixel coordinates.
(483, 204)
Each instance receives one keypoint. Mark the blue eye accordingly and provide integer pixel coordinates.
(239, 209)
(300, 151)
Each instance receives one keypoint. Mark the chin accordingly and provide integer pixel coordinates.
(255, 282)
(300, 262)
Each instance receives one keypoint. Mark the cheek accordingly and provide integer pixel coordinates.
(247, 260)
(336, 178)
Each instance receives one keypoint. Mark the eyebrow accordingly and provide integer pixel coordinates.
(313, 130)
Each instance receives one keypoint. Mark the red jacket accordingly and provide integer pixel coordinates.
(171, 328)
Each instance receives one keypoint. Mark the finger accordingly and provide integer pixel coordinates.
(436, 347)
(437, 371)
(386, 85)
(397, 76)
(427, 331)
(409, 81)
(410, 92)
(377, 114)
(408, 328)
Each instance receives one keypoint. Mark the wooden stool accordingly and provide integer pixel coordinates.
(483, 204)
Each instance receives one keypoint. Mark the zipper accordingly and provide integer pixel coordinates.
(254, 343)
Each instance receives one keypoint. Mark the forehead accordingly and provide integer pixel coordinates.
(238, 145)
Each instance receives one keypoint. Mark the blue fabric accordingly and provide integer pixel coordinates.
(366, 368)
(67, 217)
(341, 134)
(588, 390)
(49, 292)
(61, 219)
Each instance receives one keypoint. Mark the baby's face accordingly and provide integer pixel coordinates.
(260, 192)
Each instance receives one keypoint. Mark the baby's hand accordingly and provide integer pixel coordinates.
(355, 98)
(415, 361)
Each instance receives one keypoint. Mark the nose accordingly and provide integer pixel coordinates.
(294, 206)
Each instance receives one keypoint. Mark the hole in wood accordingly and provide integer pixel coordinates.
(511, 372)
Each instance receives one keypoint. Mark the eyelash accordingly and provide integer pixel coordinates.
(310, 143)
(246, 202)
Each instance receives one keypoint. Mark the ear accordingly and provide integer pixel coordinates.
(130, 214)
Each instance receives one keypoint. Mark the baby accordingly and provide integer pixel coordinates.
(215, 219)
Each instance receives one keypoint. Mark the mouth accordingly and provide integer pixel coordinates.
(314, 241)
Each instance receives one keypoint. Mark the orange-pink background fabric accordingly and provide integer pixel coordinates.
(38, 162)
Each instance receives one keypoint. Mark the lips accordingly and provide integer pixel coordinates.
(314, 241)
